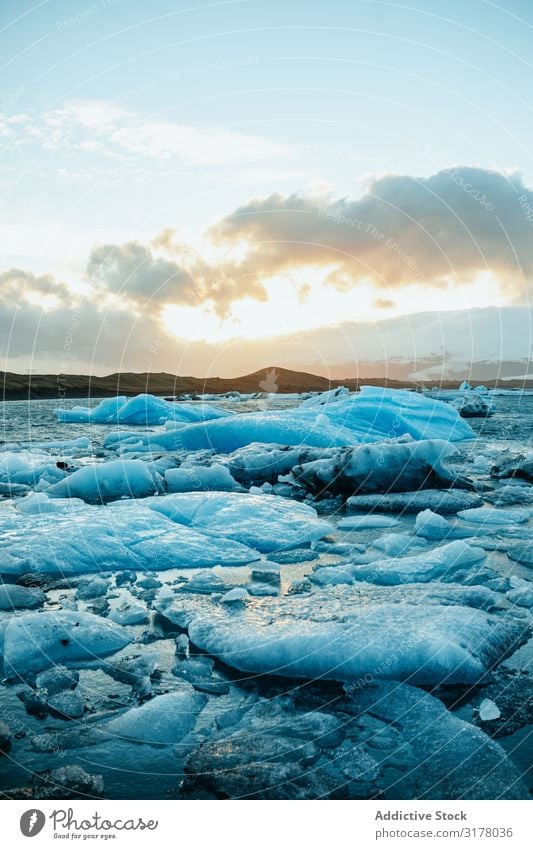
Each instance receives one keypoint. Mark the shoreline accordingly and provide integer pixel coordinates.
(34, 387)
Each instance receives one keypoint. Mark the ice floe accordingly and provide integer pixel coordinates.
(107, 481)
(190, 477)
(437, 500)
(162, 721)
(140, 410)
(346, 634)
(437, 564)
(13, 597)
(385, 467)
(82, 539)
(263, 522)
(381, 741)
(372, 415)
(493, 516)
(473, 405)
(34, 641)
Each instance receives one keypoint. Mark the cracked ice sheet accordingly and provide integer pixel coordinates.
(264, 522)
(73, 539)
(386, 740)
(454, 761)
(424, 634)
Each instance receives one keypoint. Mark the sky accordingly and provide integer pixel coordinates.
(194, 187)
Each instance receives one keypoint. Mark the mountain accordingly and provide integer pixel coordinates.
(483, 344)
(23, 386)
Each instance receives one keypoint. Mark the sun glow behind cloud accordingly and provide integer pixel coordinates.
(287, 311)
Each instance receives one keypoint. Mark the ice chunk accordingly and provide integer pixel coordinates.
(522, 552)
(283, 427)
(494, 516)
(107, 481)
(442, 501)
(123, 535)
(431, 526)
(361, 523)
(397, 545)
(58, 678)
(346, 634)
(518, 466)
(11, 465)
(25, 469)
(162, 721)
(34, 641)
(105, 411)
(385, 467)
(437, 564)
(512, 494)
(66, 705)
(452, 758)
(236, 595)
(128, 611)
(390, 413)
(38, 503)
(191, 477)
(489, 710)
(473, 405)
(264, 522)
(373, 415)
(13, 597)
(521, 594)
(141, 410)
(385, 740)
(92, 588)
(329, 397)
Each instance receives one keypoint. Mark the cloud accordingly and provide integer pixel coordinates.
(105, 129)
(132, 270)
(447, 227)
(150, 280)
(72, 331)
(217, 146)
(435, 232)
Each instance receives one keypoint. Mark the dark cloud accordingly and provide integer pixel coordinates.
(451, 225)
(182, 277)
(132, 270)
(75, 333)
